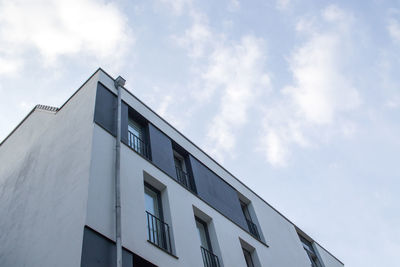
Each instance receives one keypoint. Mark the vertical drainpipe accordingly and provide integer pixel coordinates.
(118, 83)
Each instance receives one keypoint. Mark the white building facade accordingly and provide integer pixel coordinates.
(179, 207)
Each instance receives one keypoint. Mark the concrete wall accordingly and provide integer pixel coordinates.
(44, 170)
(284, 248)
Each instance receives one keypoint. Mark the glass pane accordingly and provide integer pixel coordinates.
(151, 202)
(202, 235)
(178, 163)
(245, 211)
(135, 128)
(135, 137)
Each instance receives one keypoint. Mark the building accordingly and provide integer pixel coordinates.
(179, 207)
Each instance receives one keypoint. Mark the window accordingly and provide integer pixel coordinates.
(248, 258)
(181, 172)
(209, 258)
(252, 226)
(308, 247)
(203, 234)
(136, 138)
(158, 231)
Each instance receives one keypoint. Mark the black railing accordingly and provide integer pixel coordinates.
(158, 232)
(138, 144)
(253, 229)
(183, 177)
(209, 259)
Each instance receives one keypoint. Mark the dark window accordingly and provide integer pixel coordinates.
(209, 258)
(308, 247)
(158, 231)
(248, 258)
(182, 174)
(137, 138)
(251, 225)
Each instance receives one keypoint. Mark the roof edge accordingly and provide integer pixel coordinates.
(49, 108)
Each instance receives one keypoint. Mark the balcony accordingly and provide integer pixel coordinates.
(158, 232)
(209, 259)
(253, 229)
(138, 145)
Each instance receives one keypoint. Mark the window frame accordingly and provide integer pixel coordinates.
(205, 226)
(245, 210)
(181, 159)
(159, 201)
(310, 251)
(250, 255)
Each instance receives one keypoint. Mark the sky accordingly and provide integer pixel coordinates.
(298, 99)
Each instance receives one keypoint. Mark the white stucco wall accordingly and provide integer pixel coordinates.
(57, 173)
(284, 248)
(44, 170)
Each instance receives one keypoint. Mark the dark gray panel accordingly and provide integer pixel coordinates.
(216, 192)
(98, 251)
(124, 122)
(161, 150)
(105, 110)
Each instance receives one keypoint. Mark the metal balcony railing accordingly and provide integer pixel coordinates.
(158, 232)
(209, 258)
(253, 229)
(138, 144)
(182, 177)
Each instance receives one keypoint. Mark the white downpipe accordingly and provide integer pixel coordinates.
(119, 82)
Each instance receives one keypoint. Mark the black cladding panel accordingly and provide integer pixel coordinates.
(162, 154)
(105, 111)
(98, 251)
(216, 192)
(124, 122)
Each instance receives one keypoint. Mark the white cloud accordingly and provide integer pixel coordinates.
(321, 92)
(282, 4)
(394, 29)
(195, 39)
(60, 28)
(237, 72)
(277, 151)
(234, 70)
(177, 5)
(233, 5)
(26, 106)
(321, 89)
(9, 66)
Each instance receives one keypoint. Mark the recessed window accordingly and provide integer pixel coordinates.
(248, 258)
(251, 225)
(136, 138)
(312, 256)
(158, 231)
(209, 258)
(181, 171)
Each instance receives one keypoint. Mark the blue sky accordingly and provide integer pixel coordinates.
(299, 99)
